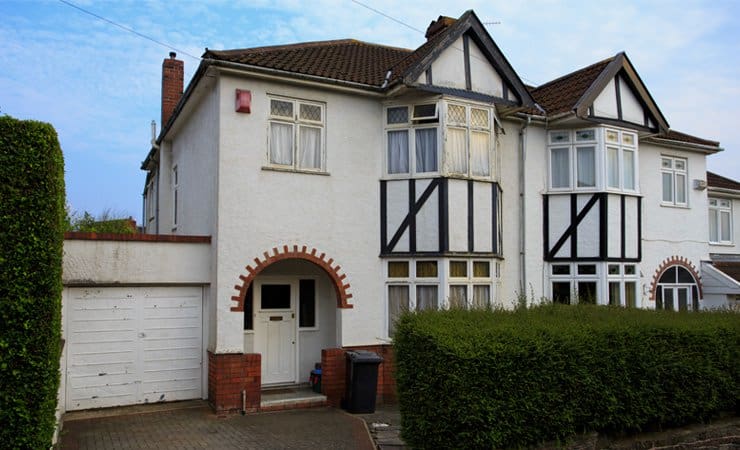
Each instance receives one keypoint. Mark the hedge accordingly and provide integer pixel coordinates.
(31, 238)
(482, 379)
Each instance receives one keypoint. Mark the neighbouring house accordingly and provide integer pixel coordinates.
(299, 197)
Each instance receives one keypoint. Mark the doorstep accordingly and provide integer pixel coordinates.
(292, 397)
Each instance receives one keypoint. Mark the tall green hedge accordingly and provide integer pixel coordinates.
(481, 379)
(31, 238)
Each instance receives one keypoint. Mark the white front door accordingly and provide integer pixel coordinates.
(275, 330)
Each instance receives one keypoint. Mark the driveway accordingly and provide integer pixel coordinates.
(197, 427)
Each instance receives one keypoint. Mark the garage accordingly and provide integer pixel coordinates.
(133, 345)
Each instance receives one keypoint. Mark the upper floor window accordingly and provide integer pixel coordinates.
(720, 221)
(592, 158)
(151, 201)
(417, 145)
(175, 188)
(674, 179)
(620, 159)
(296, 138)
(573, 159)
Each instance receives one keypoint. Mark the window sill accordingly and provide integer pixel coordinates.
(291, 170)
(300, 329)
(722, 244)
(248, 331)
(673, 205)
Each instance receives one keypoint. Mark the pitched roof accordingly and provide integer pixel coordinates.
(718, 181)
(345, 60)
(673, 135)
(562, 94)
(729, 268)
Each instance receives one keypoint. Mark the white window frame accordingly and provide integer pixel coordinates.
(296, 122)
(573, 144)
(718, 207)
(622, 145)
(573, 277)
(622, 277)
(411, 126)
(470, 281)
(674, 174)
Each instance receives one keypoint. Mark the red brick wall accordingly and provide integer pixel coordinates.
(229, 375)
(333, 379)
(172, 84)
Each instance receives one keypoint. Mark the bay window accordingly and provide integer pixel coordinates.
(720, 221)
(581, 159)
(416, 145)
(296, 134)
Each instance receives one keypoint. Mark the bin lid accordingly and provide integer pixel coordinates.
(364, 356)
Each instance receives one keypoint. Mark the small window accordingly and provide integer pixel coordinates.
(280, 108)
(425, 112)
(458, 269)
(558, 137)
(275, 296)
(398, 115)
(398, 269)
(674, 179)
(630, 269)
(307, 303)
(426, 269)
(585, 135)
(614, 269)
(481, 269)
(720, 221)
(561, 269)
(587, 269)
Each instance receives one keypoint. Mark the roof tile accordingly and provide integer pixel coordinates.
(718, 181)
(562, 94)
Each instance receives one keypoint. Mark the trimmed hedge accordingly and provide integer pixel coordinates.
(31, 238)
(482, 379)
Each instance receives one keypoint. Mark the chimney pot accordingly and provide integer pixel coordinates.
(173, 55)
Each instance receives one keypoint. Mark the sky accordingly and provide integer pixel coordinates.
(99, 85)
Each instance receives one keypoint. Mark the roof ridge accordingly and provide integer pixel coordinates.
(300, 45)
(582, 69)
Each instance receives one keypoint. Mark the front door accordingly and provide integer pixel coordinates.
(275, 330)
(677, 298)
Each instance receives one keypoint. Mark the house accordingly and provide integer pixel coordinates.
(338, 183)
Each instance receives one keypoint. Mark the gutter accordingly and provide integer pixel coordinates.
(708, 149)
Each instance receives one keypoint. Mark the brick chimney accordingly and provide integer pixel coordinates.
(438, 25)
(172, 83)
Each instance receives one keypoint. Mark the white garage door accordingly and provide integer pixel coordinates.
(129, 345)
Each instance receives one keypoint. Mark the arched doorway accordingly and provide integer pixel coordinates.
(290, 301)
(676, 287)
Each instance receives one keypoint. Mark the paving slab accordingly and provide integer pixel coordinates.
(199, 428)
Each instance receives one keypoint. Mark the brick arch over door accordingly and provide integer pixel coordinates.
(670, 262)
(279, 254)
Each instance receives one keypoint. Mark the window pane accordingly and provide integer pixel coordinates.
(426, 150)
(586, 166)
(307, 303)
(679, 164)
(426, 297)
(666, 163)
(479, 118)
(587, 292)
(398, 302)
(459, 269)
(425, 111)
(275, 296)
(560, 167)
(585, 135)
(481, 296)
(458, 296)
(612, 136)
(630, 294)
(561, 269)
(628, 139)
(479, 154)
(684, 276)
(587, 269)
(399, 114)
(456, 156)
(630, 269)
(612, 166)
(398, 151)
(248, 308)
(281, 108)
(668, 299)
(398, 269)
(613, 269)
(615, 293)
(456, 115)
(667, 187)
(629, 169)
(310, 112)
(309, 147)
(725, 226)
(683, 298)
(426, 269)
(561, 292)
(481, 269)
(281, 143)
(680, 188)
(713, 223)
(557, 137)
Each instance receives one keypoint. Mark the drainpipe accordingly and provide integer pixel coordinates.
(522, 207)
(244, 402)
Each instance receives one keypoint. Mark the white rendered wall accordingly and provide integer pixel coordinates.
(338, 213)
(449, 68)
(605, 104)
(483, 77)
(668, 230)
